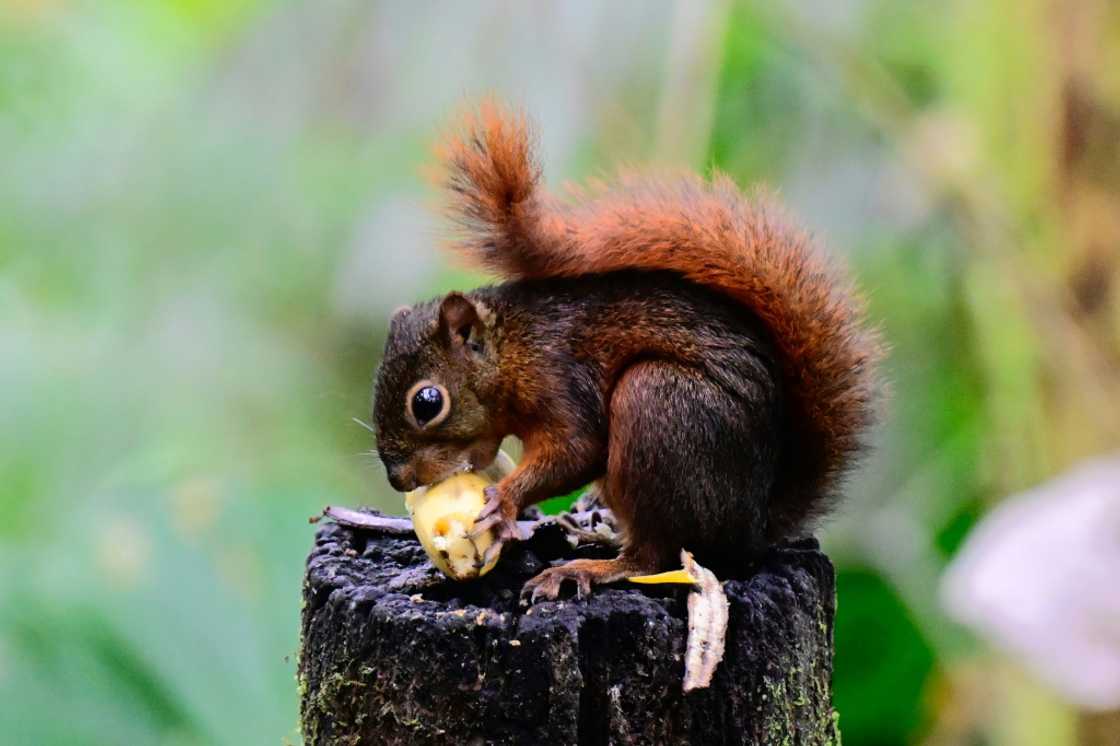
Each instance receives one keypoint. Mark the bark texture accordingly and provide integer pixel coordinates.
(392, 653)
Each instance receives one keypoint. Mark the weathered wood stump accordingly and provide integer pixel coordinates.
(392, 653)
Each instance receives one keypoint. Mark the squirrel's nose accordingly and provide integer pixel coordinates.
(402, 478)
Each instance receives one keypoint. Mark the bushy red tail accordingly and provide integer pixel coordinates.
(712, 235)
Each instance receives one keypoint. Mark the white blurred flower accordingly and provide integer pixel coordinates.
(1040, 577)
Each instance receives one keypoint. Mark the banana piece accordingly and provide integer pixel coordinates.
(443, 513)
(680, 577)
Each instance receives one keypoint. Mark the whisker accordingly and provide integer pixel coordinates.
(371, 458)
(364, 424)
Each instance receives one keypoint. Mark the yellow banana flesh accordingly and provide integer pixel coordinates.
(442, 514)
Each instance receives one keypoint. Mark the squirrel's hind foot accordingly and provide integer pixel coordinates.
(584, 573)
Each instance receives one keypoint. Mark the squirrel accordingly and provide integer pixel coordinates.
(684, 347)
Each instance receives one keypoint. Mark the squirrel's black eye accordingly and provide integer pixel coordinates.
(427, 403)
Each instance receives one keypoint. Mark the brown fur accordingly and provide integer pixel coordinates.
(708, 233)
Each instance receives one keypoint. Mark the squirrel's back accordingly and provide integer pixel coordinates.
(712, 235)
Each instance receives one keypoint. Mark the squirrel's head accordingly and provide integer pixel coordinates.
(437, 376)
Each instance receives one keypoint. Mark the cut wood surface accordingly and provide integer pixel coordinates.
(394, 653)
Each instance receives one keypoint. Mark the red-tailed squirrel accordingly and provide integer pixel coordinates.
(682, 344)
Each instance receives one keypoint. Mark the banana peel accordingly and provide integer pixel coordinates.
(708, 613)
(678, 577)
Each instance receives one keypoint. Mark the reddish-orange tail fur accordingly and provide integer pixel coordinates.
(712, 235)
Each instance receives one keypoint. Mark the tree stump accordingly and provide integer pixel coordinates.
(393, 653)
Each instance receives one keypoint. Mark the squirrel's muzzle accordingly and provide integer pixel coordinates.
(402, 477)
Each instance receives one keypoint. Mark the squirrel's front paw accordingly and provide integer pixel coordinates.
(498, 513)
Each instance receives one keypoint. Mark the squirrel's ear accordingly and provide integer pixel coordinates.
(459, 322)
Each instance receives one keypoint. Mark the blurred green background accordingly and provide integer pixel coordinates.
(208, 209)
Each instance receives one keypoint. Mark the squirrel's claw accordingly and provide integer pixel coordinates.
(546, 585)
(494, 502)
(491, 553)
(495, 515)
(482, 525)
(506, 532)
(584, 573)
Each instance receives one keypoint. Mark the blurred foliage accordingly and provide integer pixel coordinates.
(879, 687)
(208, 209)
